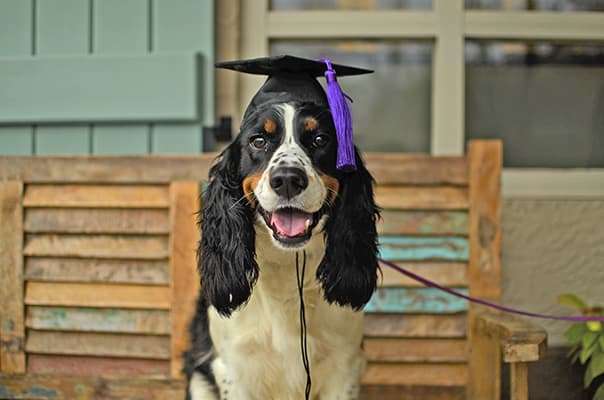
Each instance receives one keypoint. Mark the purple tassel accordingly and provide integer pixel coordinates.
(342, 119)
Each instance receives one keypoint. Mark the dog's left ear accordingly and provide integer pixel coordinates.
(348, 271)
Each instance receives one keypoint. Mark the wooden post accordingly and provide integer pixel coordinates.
(12, 331)
(485, 159)
(519, 381)
(184, 279)
(485, 364)
(484, 268)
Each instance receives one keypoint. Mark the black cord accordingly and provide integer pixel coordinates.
(303, 344)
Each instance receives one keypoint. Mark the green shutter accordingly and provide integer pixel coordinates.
(111, 76)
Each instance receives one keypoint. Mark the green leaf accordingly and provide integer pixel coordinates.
(573, 301)
(599, 395)
(574, 334)
(572, 350)
(597, 364)
(589, 338)
(589, 376)
(586, 352)
(601, 340)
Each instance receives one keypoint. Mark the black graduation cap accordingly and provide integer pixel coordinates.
(293, 78)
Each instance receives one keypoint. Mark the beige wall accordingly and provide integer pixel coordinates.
(552, 247)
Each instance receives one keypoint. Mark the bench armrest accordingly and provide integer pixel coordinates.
(520, 339)
(497, 337)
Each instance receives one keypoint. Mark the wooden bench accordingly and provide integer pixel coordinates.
(98, 277)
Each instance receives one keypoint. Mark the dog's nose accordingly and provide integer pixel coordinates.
(288, 181)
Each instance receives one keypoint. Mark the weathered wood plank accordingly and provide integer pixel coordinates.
(97, 246)
(485, 157)
(184, 285)
(98, 344)
(67, 387)
(122, 196)
(484, 267)
(12, 331)
(423, 223)
(446, 274)
(130, 221)
(394, 392)
(423, 248)
(95, 366)
(422, 197)
(156, 322)
(519, 381)
(396, 325)
(146, 272)
(417, 169)
(415, 350)
(449, 374)
(106, 169)
(415, 300)
(97, 295)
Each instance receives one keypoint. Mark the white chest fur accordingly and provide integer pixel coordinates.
(258, 347)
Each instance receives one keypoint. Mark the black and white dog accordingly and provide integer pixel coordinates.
(273, 192)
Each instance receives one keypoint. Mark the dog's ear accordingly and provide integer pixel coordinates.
(348, 271)
(227, 251)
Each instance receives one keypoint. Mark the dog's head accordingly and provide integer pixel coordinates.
(279, 174)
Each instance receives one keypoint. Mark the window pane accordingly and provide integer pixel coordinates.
(391, 109)
(546, 101)
(350, 4)
(537, 5)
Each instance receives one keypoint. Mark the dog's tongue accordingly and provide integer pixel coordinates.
(290, 222)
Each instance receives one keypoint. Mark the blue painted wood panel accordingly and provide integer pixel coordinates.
(416, 300)
(16, 18)
(121, 27)
(15, 27)
(62, 28)
(100, 88)
(84, 28)
(400, 248)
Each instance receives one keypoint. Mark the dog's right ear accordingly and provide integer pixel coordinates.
(227, 251)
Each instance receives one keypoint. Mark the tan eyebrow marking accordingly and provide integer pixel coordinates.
(310, 124)
(270, 126)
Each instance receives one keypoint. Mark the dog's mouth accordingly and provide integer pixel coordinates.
(291, 226)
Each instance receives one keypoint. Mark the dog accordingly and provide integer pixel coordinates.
(276, 202)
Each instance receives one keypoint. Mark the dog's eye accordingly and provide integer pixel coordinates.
(258, 142)
(320, 141)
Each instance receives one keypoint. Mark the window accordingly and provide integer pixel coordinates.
(544, 100)
(530, 72)
(391, 111)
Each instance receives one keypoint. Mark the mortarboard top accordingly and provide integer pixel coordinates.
(293, 78)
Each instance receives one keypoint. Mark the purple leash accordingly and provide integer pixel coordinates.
(486, 303)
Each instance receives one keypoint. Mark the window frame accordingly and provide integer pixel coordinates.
(448, 25)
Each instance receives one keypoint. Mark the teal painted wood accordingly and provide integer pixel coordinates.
(188, 25)
(16, 40)
(108, 27)
(402, 248)
(62, 28)
(62, 139)
(185, 25)
(124, 88)
(176, 138)
(120, 139)
(99, 320)
(16, 140)
(121, 27)
(416, 300)
(15, 27)
(438, 222)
